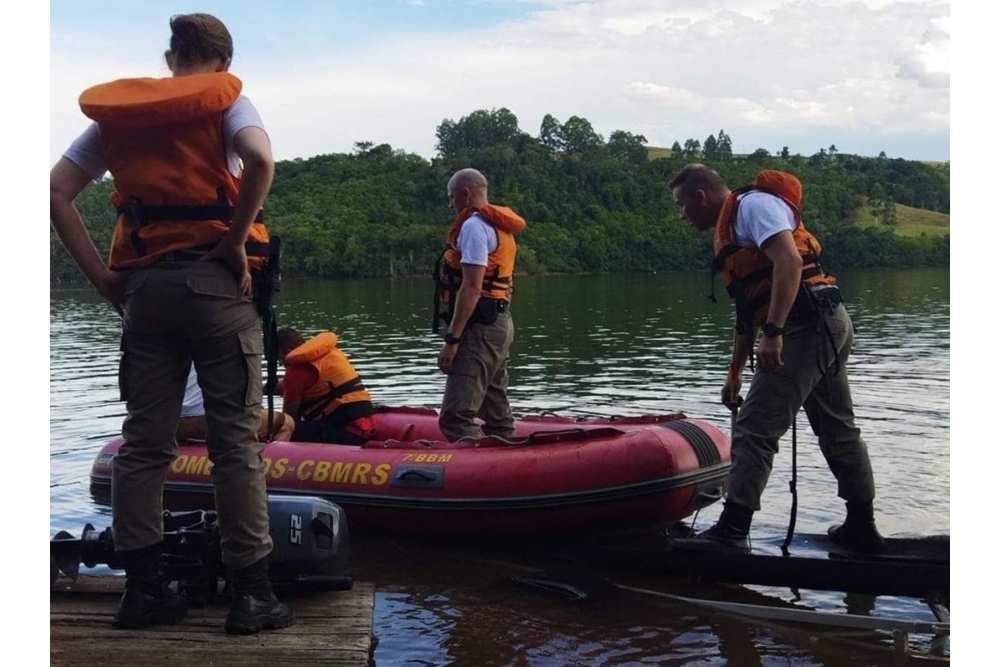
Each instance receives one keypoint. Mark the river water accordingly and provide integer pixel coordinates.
(591, 345)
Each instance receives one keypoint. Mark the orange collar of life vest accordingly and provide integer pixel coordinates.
(502, 217)
(142, 102)
(314, 348)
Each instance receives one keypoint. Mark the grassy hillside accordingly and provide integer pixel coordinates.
(911, 221)
(656, 153)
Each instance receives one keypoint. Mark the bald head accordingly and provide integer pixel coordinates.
(468, 178)
(467, 187)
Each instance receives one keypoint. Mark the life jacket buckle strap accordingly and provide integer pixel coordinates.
(143, 214)
(135, 210)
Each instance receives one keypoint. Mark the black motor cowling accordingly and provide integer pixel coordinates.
(312, 543)
(311, 547)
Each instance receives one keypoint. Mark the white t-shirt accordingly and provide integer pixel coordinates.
(760, 216)
(193, 404)
(87, 152)
(476, 240)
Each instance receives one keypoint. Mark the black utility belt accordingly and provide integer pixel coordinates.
(809, 304)
(501, 305)
(183, 256)
(487, 310)
(253, 249)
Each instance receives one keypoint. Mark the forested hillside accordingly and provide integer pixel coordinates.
(592, 204)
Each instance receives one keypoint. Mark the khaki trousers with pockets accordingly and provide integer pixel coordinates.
(477, 384)
(814, 376)
(176, 313)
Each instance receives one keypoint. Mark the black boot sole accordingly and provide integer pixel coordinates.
(866, 544)
(244, 624)
(702, 545)
(159, 617)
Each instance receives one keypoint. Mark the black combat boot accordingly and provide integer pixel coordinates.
(254, 607)
(858, 532)
(731, 533)
(148, 600)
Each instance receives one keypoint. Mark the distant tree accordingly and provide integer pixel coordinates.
(480, 129)
(580, 136)
(692, 148)
(882, 206)
(725, 147)
(676, 148)
(784, 152)
(760, 155)
(450, 139)
(627, 146)
(710, 149)
(362, 147)
(889, 213)
(550, 136)
(380, 152)
(818, 158)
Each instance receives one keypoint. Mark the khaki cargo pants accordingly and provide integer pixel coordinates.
(813, 376)
(477, 384)
(175, 313)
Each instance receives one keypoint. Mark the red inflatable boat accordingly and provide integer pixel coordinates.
(560, 475)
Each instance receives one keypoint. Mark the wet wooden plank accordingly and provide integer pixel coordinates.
(332, 628)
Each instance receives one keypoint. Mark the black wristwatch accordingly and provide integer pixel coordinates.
(770, 330)
(451, 340)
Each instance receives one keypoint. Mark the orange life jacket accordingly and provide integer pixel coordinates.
(746, 271)
(498, 282)
(164, 146)
(338, 391)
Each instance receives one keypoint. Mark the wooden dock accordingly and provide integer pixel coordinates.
(332, 628)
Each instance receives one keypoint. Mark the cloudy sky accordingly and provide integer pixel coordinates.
(863, 75)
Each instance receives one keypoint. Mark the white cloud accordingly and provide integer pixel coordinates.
(929, 64)
(850, 73)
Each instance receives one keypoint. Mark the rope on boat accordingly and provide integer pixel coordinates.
(793, 488)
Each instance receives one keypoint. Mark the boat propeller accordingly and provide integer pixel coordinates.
(311, 548)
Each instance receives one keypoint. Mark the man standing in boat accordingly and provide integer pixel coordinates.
(322, 391)
(476, 285)
(770, 263)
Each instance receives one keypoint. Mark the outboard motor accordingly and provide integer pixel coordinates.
(311, 548)
(312, 544)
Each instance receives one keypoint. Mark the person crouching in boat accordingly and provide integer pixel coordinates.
(192, 166)
(194, 426)
(322, 392)
(476, 285)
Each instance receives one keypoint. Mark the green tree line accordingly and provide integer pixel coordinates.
(592, 204)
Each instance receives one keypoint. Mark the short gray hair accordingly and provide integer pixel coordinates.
(467, 178)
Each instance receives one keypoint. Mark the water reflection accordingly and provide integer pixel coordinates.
(463, 607)
(584, 345)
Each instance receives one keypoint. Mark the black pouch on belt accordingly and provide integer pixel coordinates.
(487, 310)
